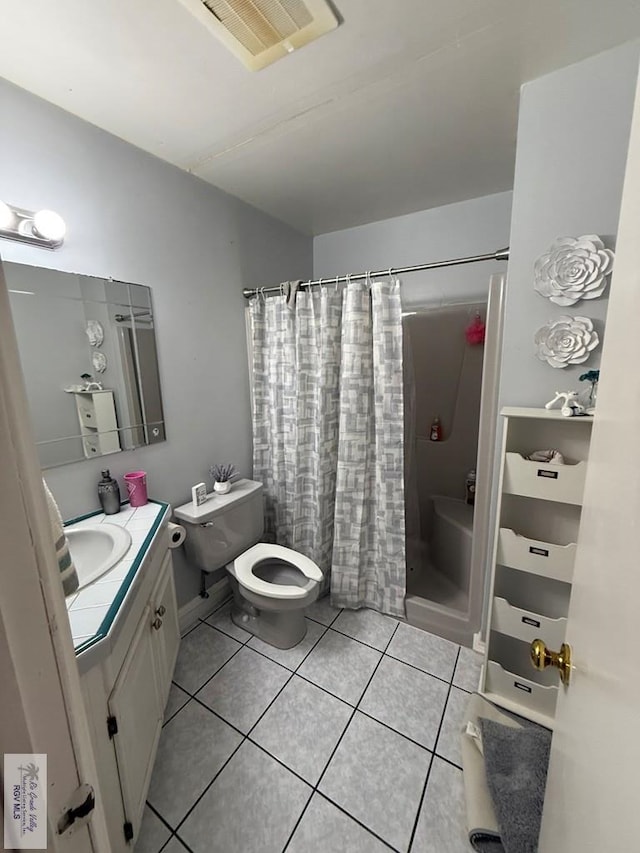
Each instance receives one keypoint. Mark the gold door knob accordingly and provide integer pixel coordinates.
(542, 657)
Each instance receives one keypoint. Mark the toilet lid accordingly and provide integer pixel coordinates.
(245, 563)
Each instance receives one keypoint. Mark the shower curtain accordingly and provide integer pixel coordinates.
(328, 435)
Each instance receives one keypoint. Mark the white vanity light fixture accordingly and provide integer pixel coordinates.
(44, 228)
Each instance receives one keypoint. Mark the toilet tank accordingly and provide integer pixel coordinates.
(224, 526)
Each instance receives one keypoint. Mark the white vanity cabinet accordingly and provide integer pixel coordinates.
(166, 631)
(126, 689)
(535, 543)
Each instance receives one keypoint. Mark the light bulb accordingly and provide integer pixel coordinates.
(49, 225)
(7, 218)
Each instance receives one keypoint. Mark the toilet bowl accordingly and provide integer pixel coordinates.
(272, 585)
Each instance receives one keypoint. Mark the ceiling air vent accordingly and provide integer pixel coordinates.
(260, 31)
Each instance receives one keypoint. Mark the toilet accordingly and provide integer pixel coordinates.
(272, 585)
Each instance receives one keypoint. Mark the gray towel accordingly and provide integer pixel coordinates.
(516, 762)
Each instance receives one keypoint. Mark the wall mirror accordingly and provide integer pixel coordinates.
(89, 358)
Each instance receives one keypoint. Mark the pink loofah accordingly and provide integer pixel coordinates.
(474, 332)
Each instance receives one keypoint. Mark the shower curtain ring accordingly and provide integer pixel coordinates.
(337, 282)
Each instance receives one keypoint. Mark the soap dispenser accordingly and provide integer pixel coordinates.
(109, 494)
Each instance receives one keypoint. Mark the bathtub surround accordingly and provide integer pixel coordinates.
(328, 435)
(135, 218)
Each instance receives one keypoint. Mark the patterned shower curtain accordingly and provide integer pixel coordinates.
(328, 435)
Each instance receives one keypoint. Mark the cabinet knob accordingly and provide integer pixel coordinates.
(157, 624)
(161, 610)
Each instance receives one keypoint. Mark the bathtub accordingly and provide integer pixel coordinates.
(451, 540)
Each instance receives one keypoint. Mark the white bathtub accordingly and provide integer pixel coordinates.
(452, 535)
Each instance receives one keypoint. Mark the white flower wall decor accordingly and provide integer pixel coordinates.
(567, 340)
(574, 268)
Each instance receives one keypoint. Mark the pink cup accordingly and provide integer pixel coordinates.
(136, 487)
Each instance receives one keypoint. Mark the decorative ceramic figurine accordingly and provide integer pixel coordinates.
(570, 404)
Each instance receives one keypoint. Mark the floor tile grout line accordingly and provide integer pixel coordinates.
(413, 666)
(444, 710)
(159, 816)
(192, 628)
(340, 610)
(315, 787)
(449, 761)
(396, 731)
(291, 674)
(264, 655)
(280, 762)
(426, 781)
(204, 684)
(339, 741)
(355, 820)
(219, 716)
(358, 640)
(324, 690)
(195, 803)
(226, 633)
(355, 708)
(298, 821)
(170, 839)
(285, 684)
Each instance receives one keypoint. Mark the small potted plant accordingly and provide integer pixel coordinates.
(222, 475)
(592, 376)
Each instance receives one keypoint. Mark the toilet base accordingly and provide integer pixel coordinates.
(284, 630)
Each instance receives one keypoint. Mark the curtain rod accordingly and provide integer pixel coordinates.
(500, 255)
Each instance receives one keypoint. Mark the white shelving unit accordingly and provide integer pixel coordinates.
(98, 422)
(535, 543)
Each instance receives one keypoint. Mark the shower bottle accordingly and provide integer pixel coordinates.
(435, 431)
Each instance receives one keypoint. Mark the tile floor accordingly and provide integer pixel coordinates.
(347, 743)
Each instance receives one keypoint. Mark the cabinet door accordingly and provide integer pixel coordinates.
(166, 632)
(136, 704)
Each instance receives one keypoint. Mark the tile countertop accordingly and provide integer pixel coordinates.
(93, 609)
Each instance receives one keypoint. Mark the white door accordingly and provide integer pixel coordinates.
(41, 706)
(591, 801)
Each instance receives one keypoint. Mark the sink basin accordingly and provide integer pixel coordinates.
(96, 548)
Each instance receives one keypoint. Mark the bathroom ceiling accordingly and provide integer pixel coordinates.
(409, 104)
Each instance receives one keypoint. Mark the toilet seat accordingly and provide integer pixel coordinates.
(245, 564)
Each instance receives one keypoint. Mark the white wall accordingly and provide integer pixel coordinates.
(136, 218)
(468, 228)
(573, 136)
